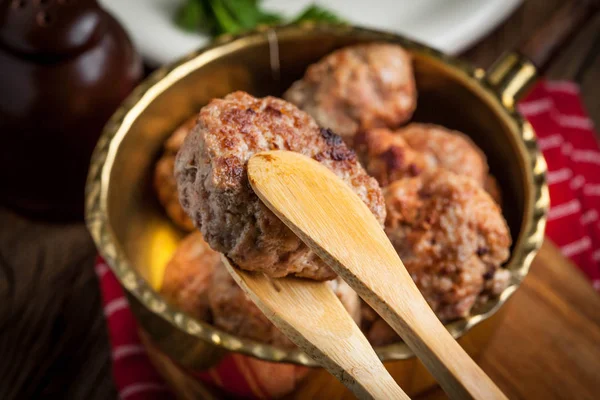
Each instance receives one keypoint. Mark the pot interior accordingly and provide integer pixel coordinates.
(449, 94)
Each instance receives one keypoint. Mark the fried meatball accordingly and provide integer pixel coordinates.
(164, 178)
(447, 149)
(197, 282)
(493, 188)
(381, 334)
(386, 156)
(377, 331)
(359, 87)
(348, 298)
(235, 313)
(450, 235)
(211, 173)
(188, 276)
(494, 286)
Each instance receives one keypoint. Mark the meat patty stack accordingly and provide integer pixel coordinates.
(428, 183)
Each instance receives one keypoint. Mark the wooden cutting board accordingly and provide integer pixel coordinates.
(547, 345)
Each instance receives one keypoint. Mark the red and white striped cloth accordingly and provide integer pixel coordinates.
(566, 137)
(570, 146)
(136, 379)
(134, 376)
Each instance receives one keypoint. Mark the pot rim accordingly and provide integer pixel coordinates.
(96, 212)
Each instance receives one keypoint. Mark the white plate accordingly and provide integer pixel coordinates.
(448, 25)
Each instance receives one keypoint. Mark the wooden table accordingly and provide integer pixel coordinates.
(53, 340)
(548, 345)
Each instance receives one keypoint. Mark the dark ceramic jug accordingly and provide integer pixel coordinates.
(65, 65)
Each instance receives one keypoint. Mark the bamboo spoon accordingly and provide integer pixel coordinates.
(332, 220)
(310, 314)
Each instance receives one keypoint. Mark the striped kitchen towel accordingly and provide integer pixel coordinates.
(235, 375)
(566, 137)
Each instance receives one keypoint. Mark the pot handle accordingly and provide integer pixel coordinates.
(514, 73)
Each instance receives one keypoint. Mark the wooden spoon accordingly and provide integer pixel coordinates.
(334, 222)
(311, 315)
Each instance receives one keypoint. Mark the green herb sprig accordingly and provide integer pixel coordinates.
(216, 17)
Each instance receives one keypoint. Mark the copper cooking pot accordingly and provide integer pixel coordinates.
(136, 238)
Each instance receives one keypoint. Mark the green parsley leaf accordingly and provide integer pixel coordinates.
(216, 17)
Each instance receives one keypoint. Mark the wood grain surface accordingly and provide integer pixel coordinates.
(579, 60)
(548, 346)
(545, 43)
(53, 340)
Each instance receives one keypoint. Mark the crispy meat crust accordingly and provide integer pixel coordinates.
(450, 235)
(164, 178)
(188, 276)
(213, 184)
(387, 157)
(358, 87)
(445, 148)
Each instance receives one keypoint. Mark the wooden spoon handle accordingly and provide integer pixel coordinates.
(334, 222)
(311, 315)
(412, 318)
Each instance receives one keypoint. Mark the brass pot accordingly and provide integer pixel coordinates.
(135, 237)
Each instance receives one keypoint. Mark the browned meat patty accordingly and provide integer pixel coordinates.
(213, 184)
(235, 313)
(387, 157)
(451, 237)
(379, 333)
(493, 188)
(359, 87)
(164, 178)
(445, 148)
(197, 282)
(348, 298)
(188, 276)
